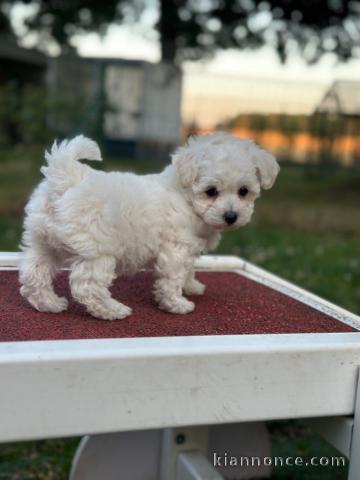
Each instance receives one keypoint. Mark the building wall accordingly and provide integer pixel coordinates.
(139, 102)
(124, 88)
(161, 120)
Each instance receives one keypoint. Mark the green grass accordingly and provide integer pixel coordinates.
(42, 460)
(306, 229)
(293, 439)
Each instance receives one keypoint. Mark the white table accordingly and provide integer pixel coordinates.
(76, 387)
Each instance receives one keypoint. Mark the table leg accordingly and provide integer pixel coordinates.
(354, 466)
(114, 456)
(173, 454)
(195, 466)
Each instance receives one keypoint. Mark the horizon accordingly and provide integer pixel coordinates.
(213, 90)
(231, 83)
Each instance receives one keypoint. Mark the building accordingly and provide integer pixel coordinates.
(337, 121)
(20, 65)
(20, 70)
(342, 98)
(136, 103)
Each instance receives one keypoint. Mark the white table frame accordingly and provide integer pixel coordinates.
(73, 387)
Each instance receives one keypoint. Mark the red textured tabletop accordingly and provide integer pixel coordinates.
(232, 304)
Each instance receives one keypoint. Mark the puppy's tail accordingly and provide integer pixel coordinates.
(64, 170)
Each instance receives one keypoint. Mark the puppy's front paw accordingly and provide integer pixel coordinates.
(45, 300)
(113, 311)
(194, 288)
(180, 305)
(60, 304)
(122, 312)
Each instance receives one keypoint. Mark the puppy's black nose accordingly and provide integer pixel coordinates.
(230, 217)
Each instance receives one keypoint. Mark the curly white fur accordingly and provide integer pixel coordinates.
(101, 225)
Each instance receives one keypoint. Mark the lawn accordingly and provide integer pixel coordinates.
(306, 229)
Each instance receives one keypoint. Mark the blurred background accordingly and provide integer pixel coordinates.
(140, 76)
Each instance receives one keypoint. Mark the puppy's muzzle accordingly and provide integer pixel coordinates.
(230, 217)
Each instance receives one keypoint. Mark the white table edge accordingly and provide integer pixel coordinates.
(108, 385)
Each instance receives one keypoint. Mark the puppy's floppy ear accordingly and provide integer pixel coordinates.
(186, 164)
(267, 167)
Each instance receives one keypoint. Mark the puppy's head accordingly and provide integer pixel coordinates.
(224, 175)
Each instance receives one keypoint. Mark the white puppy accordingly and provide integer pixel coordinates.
(101, 225)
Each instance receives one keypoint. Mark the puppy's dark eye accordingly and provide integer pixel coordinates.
(243, 191)
(212, 192)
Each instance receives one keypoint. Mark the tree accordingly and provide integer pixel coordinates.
(194, 29)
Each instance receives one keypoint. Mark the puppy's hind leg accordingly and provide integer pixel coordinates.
(90, 280)
(192, 285)
(37, 270)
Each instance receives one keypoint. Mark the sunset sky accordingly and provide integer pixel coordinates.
(233, 82)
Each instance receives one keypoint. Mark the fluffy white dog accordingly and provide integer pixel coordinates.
(101, 225)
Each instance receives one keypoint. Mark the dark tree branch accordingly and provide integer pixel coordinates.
(191, 29)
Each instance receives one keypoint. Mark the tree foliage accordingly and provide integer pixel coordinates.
(194, 29)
